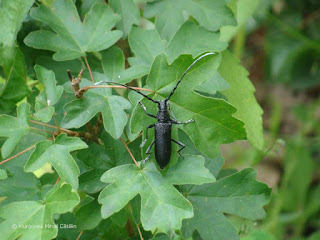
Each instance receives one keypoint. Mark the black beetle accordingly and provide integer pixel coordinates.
(164, 123)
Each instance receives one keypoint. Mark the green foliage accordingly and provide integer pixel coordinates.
(57, 153)
(241, 95)
(162, 206)
(59, 199)
(232, 195)
(14, 128)
(75, 158)
(73, 38)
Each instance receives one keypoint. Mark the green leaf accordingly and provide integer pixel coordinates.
(129, 13)
(26, 187)
(15, 88)
(239, 194)
(73, 38)
(14, 128)
(244, 9)
(3, 174)
(88, 216)
(97, 160)
(241, 95)
(213, 124)
(12, 13)
(189, 169)
(206, 10)
(49, 96)
(113, 64)
(57, 153)
(147, 44)
(170, 14)
(58, 200)
(259, 235)
(187, 41)
(217, 83)
(81, 111)
(162, 206)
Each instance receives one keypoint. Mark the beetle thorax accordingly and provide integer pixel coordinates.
(163, 114)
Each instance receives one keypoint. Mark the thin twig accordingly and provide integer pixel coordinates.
(58, 179)
(18, 154)
(41, 130)
(138, 228)
(86, 88)
(89, 69)
(79, 235)
(69, 132)
(56, 122)
(134, 160)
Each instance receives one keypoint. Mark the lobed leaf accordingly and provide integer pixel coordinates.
(241, 95)
(72, 38)
(239, 194)
(57, 153)
(162, 206)
(147, 44)
(170, 14)
(129, 13)
(113, 64)
(81, 111)
(49, 96)
(14, 128)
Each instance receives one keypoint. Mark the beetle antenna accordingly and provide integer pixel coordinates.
(172, 92)
(120, 84)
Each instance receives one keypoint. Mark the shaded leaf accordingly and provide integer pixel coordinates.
(238, 194)
(241, 95)
(14, 128)
(58, 200)
(73, 38)
(15, 88)
(88, 216)
(12, 13)
(97, 160)
(57, 153)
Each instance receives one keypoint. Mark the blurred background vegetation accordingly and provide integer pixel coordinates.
(280, 46)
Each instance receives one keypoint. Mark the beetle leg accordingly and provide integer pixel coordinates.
(145, 140)
(177, 122)
(170, 111)
(180, 144)
(145, 110)
(148, 151)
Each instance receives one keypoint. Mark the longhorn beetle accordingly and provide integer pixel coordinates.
(164, 122)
